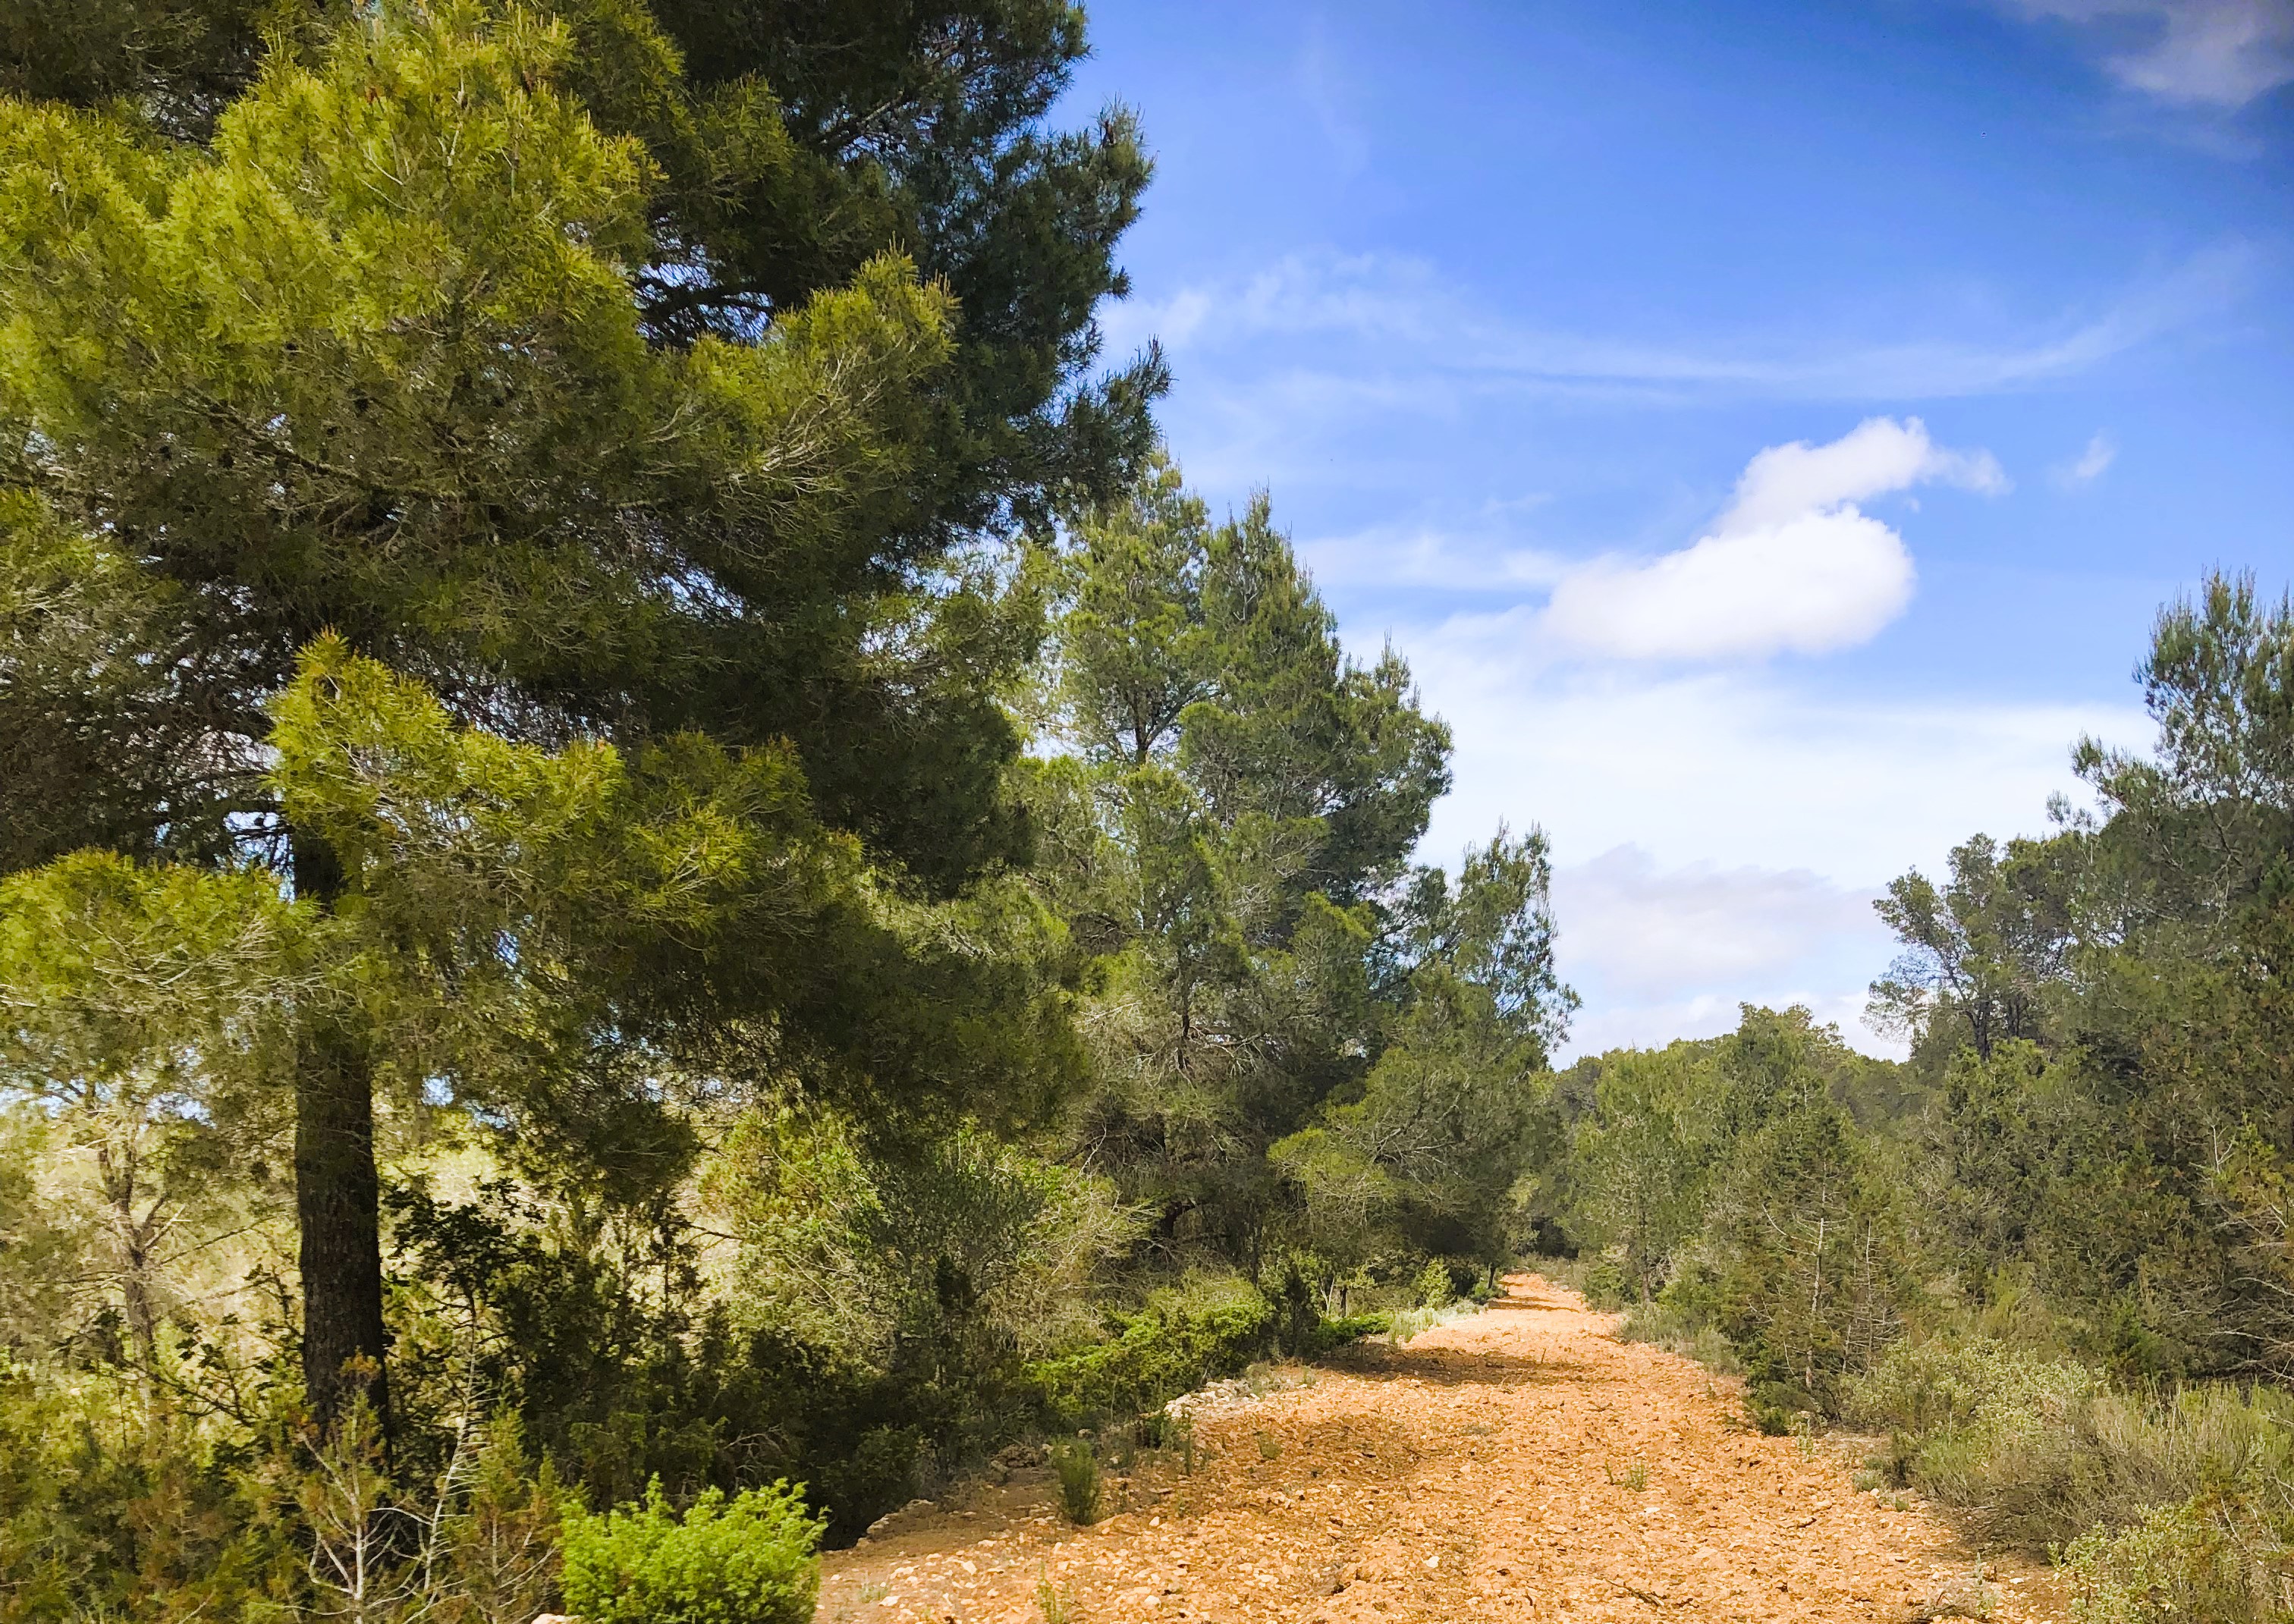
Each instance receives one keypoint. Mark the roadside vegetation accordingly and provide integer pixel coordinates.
(2046, 1258)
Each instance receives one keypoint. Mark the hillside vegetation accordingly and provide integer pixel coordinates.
(659, 884)
(2048, 1256)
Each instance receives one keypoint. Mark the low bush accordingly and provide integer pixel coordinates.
(2038, 1451)
(1602, 1282)
(1077, 1465)
(1990, 1429)
(1180, 1340)
(1973, 1384)
(1404, 1324)
(1337, 1332)
(750, 1560)
(2210, 1560)
(1676, 1330)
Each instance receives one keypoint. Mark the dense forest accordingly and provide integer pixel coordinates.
(659, 883)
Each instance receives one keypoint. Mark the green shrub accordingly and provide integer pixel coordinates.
(1991, 1429)
(1337, 1333)
(1175, 1345)
(1178, 1342)
(2207, 1561)
(751, 1559)
(1678, 1330)
(1970, 1385)
(1604, 1285)
(1405, 1323)
(1433, 1288)
(2039, 1451)
(1081, 1499)
(881, 1470)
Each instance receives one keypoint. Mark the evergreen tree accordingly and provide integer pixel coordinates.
(1280, 1011)
(604, 397)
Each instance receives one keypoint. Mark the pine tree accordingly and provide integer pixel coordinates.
(1239, 799)
(613, 375)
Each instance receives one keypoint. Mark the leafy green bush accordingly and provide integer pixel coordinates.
(1989, 1428)
(1971, 1385)
(2207, 1561)
(751, 1559)
(1433, 1288)
(1677, 1330)
(1175, 1345)
(2038, 1451)
(1337, 1333)
(1603, 1284)
(105, 1514)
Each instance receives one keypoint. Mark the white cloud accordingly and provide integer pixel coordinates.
(1473, 553)
(1718, 834)
(1650, 932)
(2221, 54)
(1793, 567)
(1733, 765)
(2101, 453)
(1811, 585)
(1877, 456)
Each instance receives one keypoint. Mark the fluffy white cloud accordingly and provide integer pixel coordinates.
(1793, 567)
(2206, 52)
(1874, 458)
(1821, 581)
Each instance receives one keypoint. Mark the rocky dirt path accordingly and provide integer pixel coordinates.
(1519, 1464)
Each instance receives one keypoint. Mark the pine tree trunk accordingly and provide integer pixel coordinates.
(337, 1194)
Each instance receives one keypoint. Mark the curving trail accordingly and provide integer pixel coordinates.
(1519, 1464)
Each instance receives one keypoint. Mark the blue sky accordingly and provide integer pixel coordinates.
(1521, 311)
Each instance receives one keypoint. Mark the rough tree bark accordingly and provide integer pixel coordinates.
(337, 1193)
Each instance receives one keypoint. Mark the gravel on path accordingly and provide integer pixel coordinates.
(1521, 1464)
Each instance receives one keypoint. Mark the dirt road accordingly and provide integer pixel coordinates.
(1519, 1464)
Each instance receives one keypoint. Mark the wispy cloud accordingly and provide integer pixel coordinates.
(1418, 556)
(1328, 93)
(1407, 325)
(2089, 465)
(1817, 798)
(2215, 54)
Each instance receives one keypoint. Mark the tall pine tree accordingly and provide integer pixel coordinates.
(614, 374)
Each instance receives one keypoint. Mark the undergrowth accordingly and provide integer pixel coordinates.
(1082, 1500)
(1405, 1323)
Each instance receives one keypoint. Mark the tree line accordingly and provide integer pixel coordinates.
(2048, 1253)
